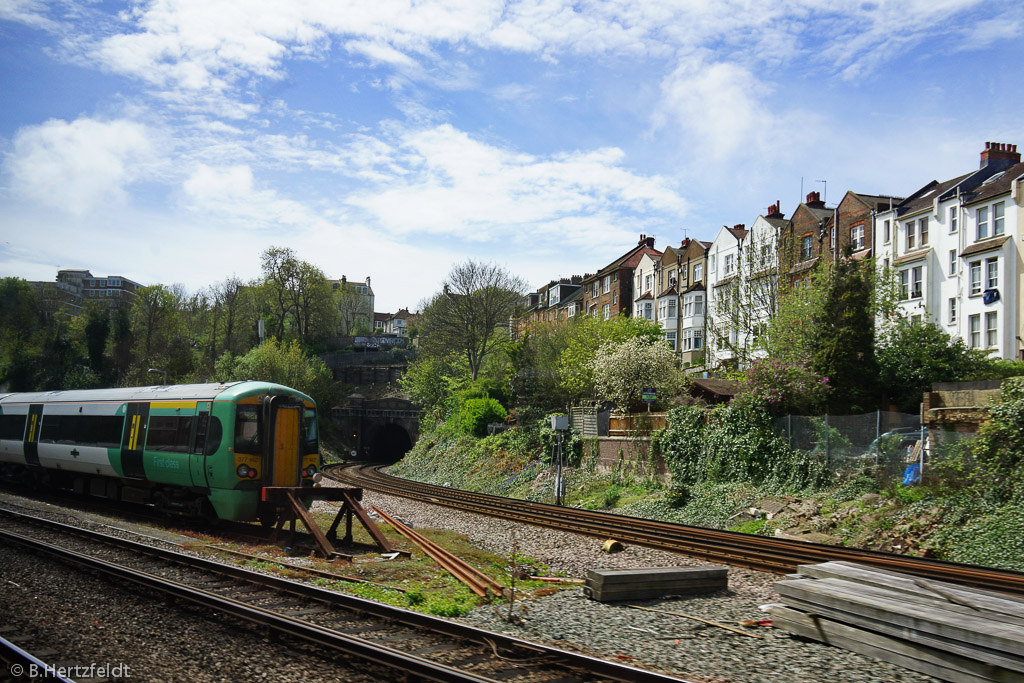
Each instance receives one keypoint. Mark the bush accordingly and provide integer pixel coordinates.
(732, 443)
(476, 413)
(782, 386)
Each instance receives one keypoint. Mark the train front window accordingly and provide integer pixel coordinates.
(309, 431)
(247, 430)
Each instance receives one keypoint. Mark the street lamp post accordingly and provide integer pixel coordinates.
(163, 373)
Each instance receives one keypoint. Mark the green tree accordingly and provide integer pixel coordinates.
(432, 380)
(20, 323)
(281, 363)
(587, 335)
(792, 332)
(155, 332)
(534, 373)
(912, 356)
(296, 296)
(844, 344)
(97, 332)
(471, 313)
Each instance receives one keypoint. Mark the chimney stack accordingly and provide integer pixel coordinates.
(999, 154)
(646, 241)
(814, 200)
(774, 211)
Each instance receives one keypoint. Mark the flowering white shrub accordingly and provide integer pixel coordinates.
(623, 369)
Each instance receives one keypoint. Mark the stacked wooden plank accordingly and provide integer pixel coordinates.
(940, 629)
(606, 585)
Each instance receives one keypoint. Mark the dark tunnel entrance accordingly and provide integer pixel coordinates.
(390, 442)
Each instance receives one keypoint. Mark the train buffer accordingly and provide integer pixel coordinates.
(293, 502)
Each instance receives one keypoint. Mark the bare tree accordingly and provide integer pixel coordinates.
(738, 315)
(470, 314)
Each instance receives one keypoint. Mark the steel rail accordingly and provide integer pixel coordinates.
(570, 660)
(762, 553)
(29, 663)
(317, 635)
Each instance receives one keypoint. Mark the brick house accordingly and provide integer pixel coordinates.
(609, 292)
(806, 238)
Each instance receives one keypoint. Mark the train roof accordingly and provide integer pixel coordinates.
(174, 392)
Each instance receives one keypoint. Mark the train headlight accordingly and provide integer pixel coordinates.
(244, 471)
(309, 471)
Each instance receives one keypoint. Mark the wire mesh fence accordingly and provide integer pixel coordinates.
(885, 444)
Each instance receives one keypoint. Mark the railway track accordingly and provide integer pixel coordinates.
(398, 642)
(781, 556)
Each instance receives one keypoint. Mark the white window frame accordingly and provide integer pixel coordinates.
(974, 269)
(952, 310)
(672, 307)
(886, 232)
(606, 311)
(698, 272)
(606, 284)
(991, 329)
(998, 219)
(857, 237)
(952, 262)
(922, 230)
(806, 247)
(974, 330)
(992, 273)
(911, 241)
(729, 265)
(917, 282)
(954, 219)
(981, 222)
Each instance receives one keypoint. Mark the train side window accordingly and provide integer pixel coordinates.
(169, 433)
(202, 425)
(98, 430)
(309, 432)
(82, 430)
(247, 430)
(214, 435)
(57, 429)
(12, 427)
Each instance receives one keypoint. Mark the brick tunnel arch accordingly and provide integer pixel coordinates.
(388, 443)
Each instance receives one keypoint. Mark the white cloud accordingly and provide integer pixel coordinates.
(78, 166)
(28, 12)
(452, 184)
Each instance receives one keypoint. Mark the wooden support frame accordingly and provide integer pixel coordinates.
(292, 502)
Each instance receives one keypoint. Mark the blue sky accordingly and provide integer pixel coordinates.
(173, 141)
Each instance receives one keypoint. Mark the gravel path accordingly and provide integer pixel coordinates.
(688, 648)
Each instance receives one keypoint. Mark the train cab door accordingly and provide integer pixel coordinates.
(283, 421)
(197, 455)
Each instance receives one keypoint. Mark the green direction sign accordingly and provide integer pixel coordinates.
(648, 395)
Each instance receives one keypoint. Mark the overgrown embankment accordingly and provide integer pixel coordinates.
(730, 472)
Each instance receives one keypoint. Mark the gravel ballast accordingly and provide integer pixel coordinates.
(167, 644)
(685, 647)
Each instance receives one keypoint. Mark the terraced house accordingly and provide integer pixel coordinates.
(609, 293)
(956, 248)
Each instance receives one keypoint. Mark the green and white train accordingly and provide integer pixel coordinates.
(195, 449)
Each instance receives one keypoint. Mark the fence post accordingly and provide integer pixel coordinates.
(789, 428)
(828, 452)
